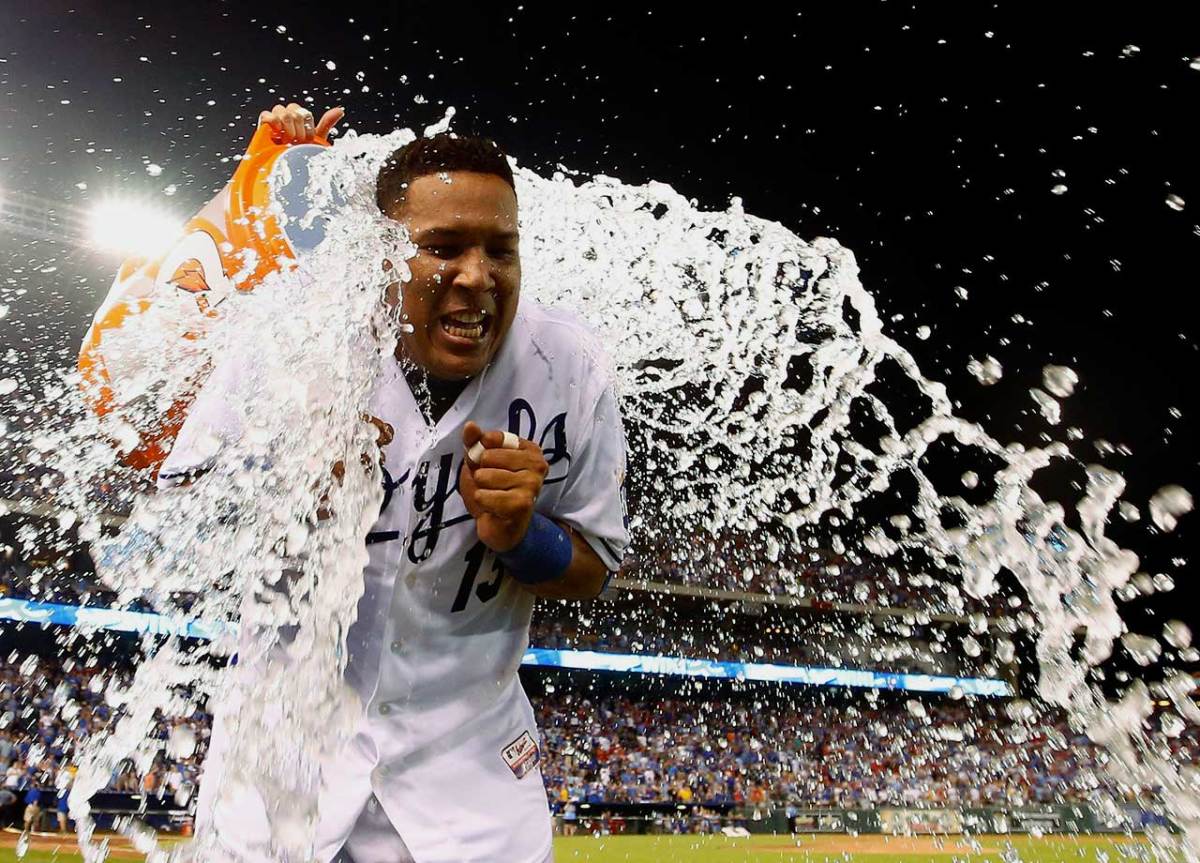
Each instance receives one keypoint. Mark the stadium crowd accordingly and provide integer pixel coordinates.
(47, 712)
(724, 753)
(714, 753)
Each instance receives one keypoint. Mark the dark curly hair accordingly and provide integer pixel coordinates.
(443, 152)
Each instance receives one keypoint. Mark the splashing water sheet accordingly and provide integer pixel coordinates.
(749, 362)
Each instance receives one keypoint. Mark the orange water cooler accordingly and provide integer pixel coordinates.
(225, 249)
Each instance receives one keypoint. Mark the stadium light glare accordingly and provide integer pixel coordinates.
(132, 227)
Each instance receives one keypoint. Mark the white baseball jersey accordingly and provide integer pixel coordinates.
(448, 745)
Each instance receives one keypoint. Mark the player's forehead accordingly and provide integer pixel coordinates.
(463, 203)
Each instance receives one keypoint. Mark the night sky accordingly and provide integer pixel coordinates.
(925, 137)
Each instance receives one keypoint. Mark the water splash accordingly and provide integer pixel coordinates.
(244, 542)
(763, 397)
(1168, 505)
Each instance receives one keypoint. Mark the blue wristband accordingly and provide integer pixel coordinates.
(543, 554)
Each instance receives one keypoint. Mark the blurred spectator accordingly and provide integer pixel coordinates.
(717, 753)
(47, 711)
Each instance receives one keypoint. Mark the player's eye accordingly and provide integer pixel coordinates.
(441, 250)
(503, 254)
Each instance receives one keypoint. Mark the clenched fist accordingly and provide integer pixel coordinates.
(501, 489)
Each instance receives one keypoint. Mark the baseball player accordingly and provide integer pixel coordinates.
(504, 456)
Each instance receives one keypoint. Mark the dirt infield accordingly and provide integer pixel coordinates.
(65, 846)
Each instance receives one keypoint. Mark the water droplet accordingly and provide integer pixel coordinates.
(987, 371)
(1144, 649)
(1048, 407)
(1059, 380)
(1005, 650)
(1172, 724)
(1168, 505)
(1020, 710)
(1175, 202)
(7, 385)
(154, 170)
(330, 65)
(181, 742)
(1058, 189)
(1177, 634)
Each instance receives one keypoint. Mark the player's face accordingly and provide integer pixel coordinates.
(466, 274)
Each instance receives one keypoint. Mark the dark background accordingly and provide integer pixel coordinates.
(922, 136)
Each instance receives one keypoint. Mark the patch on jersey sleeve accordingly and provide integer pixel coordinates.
(521, 755)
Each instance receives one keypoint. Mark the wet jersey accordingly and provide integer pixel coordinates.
(448, 744)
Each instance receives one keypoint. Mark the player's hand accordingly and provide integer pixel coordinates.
(501, 490)
(294, 123)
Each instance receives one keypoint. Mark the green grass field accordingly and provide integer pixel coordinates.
(718, 849)
(843, 849)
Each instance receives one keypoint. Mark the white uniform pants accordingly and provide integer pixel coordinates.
(375, 840)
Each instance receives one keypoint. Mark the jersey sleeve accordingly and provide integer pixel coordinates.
(593, 499)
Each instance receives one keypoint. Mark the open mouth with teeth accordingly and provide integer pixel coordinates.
(472, 325)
